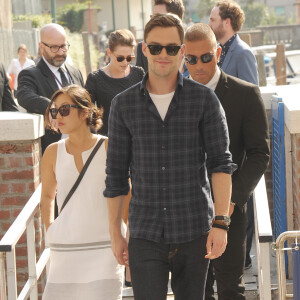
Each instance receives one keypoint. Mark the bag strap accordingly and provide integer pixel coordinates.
(80, 176)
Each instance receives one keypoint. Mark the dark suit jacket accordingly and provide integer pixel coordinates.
(141, 59)
(7, 102)
(248, 132)
(36, 85)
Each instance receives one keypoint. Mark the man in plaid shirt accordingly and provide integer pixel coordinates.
(171, 133)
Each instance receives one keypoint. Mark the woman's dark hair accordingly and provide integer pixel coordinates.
(122, 37)
(80, 97)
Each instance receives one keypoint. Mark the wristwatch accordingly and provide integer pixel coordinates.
(224, 219)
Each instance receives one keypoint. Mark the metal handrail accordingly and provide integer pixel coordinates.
(24, 221)
(280, 261)
(264, 238)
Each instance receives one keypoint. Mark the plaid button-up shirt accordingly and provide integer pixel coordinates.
(168, 160)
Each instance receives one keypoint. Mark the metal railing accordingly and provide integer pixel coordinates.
(24, 222)
(263, 238)
(280, 261)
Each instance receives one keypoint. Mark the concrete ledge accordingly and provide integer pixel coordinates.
(18, 126)
(290, 95)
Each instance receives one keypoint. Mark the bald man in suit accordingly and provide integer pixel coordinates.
(37, 84)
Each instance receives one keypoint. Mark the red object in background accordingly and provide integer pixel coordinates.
(11, 84)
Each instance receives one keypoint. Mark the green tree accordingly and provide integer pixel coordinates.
(204, 8)
(38, 21)
(71, 15)
(255, 13)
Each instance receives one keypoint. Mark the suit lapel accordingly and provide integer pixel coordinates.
(75, 79)
(48, 74)
(230, 53)
(222, 86)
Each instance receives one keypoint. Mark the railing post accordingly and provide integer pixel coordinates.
(2, 277)
(32, 258)
(11, 274)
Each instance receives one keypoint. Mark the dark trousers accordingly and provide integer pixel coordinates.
(151, 262)
(229, 268)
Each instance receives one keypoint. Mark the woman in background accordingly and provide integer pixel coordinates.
(18, 64)
(104, 84)
(82, 265)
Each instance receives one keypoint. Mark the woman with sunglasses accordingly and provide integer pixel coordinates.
(104, 84)
(82, 265)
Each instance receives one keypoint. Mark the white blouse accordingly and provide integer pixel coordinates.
(15, 68)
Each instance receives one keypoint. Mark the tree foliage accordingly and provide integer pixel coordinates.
(38, 21)
(256, 13)
(71, 15)
(204, 8)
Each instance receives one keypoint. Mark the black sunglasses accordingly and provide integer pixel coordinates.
(205, 58)
(129, 58)
(64, 110)
(171, 50)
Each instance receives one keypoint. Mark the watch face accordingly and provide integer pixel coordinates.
(227, 220)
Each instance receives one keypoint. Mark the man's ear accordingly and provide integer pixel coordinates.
(144, 48)
(182, 50)
(219, 51)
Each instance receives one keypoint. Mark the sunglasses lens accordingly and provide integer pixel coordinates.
(191, 59)
(206, 58)
(53, 113)
(64, 110)
(129, 58)
(172, 50)
(120, 58)
(155, 49)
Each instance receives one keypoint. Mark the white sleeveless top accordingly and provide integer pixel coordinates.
(82, 265)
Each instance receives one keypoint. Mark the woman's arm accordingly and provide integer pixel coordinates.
(49, 185)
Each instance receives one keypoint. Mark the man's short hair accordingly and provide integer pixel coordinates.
(173, 6)
(232, 10)
(165, 21)
(199, 32)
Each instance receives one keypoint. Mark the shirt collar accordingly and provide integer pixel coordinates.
(53, 68)
(215, 79)
(229, 42)
(146, 77)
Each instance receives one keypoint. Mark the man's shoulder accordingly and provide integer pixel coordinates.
(241, 46)
(237, 82)
(31, 71)
(191, 86)
(240, 90)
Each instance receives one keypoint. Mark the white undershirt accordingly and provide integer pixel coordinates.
(162, 103)
(214, 81)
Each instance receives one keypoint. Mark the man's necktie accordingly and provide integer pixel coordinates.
(64, 80)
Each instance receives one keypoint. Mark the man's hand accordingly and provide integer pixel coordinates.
(216, 243)
(120, 249)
